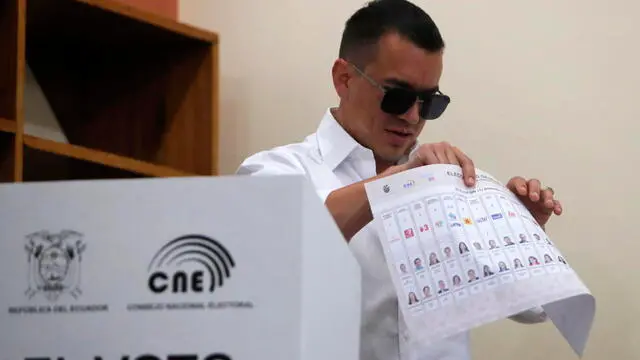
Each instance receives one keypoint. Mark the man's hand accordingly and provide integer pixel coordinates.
(349, 205)
(442, 153)
(540, 202)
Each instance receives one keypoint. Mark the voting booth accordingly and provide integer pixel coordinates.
(223, 268)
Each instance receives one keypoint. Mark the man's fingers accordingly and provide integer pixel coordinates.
(557, 207)
(433, 154)
(451, 156)
(428, 156)
(468, 168)
(534, 189)
(547, 198)
(518, 185)
(421, 157)
(442, 157)
(541, 202)
(440, 151)
(443, 153)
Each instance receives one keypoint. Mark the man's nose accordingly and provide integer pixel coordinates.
(412, 116)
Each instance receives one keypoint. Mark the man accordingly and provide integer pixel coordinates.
(387, 77)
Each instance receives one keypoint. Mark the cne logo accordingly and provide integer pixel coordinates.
(190, 264)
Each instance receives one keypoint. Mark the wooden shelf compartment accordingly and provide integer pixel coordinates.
(7, 157)
(9, 15)
(110, 164)
(125, 82)
(8, 126)
(49, 166)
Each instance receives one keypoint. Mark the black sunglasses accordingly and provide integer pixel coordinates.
(398, 100)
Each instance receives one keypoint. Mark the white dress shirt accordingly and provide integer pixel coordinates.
(331, 159)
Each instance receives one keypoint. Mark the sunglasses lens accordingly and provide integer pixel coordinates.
(397, 101)
(434, 107)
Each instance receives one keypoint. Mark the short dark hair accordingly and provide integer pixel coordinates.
(379, 17)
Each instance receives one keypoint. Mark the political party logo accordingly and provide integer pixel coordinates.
(482, 219)
(408, 233)
(170, 269)
(424, 228)
(467, 221)
(439, 223)
(428, 176)
(55, 261)
(386, 189)
(409, 184)
(511, 214)
(54, 264)
(452, 216)
(496, 216)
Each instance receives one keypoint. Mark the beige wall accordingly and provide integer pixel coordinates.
(540, 88)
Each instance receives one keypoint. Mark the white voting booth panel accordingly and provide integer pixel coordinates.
(224, 268)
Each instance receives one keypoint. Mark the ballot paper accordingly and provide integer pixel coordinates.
(461, 257)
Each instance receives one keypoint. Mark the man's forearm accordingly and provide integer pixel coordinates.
(350, 207)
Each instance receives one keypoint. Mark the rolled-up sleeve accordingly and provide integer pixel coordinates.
(278, 163)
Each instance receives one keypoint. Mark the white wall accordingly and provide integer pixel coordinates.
(540, 88)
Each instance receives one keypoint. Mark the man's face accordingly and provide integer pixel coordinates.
(398, 62)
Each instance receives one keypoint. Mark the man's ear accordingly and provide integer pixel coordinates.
(341, 73)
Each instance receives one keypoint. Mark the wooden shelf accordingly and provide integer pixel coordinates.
(153, 19)
(135, 93)
(101, 157)
(7, 126)
(62, 17)
(48, 166)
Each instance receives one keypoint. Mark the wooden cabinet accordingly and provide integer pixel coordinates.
(135, 93)
(166, 8)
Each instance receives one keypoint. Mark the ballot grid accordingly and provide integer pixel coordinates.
(447, 247)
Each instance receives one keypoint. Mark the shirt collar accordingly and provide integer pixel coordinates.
(335, 143)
